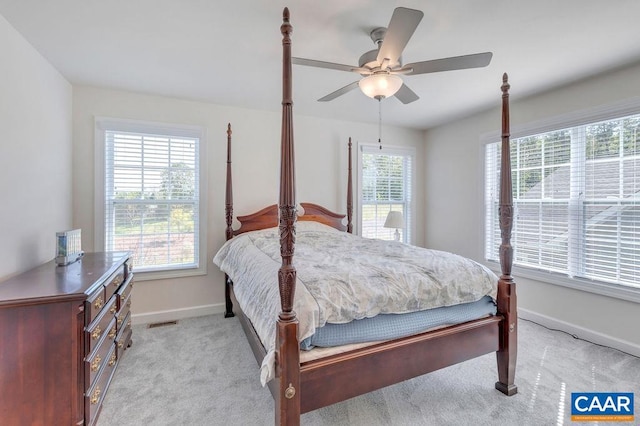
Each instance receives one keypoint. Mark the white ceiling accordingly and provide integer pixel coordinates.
(229, 52)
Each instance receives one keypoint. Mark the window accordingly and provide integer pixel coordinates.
(150, 185)
(385, 179)
(577, 201)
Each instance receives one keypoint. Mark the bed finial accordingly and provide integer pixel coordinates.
(286, 29)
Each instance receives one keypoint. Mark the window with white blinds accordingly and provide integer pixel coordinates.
(577, 201)
(386, 184)
(152, 195)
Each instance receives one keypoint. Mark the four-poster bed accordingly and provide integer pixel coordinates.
(302, 383)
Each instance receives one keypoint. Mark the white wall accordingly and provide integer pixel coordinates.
(454, 204)
(321, 169)
(35, 154)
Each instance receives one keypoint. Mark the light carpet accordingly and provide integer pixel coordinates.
(202, 372)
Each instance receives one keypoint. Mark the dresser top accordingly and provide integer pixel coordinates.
(50, 281)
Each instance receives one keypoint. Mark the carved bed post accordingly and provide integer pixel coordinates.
(228, 213)
(287, 396)
(228, 206)
(349, 195)
(507, 306)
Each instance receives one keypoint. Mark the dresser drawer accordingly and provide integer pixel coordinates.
(112, 284)
(94, 362)
(124, 292)
(123, 313)
(123, 340)
(105, 323)
(94, 396)
(94, 304)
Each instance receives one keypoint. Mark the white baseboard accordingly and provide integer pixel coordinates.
(581, 332)
(176, 314)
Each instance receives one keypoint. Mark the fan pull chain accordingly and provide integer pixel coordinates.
(380, 122)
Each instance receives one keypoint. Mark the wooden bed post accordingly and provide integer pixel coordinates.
(287, 396)
(349, 195)
(228, 212)
(507, 306)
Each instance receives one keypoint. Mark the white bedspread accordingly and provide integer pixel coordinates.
(342, 277)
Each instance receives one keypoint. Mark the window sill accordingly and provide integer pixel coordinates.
(168, 274)
(629, 294)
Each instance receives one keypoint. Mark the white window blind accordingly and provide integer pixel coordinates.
(151, 198)
(386, 184)
(577, 201)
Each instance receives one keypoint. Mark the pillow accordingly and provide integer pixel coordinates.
(310, 225)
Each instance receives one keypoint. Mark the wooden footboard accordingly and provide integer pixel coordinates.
(336, 378)
(329, 380)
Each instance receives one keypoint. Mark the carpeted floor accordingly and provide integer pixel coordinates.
(202, 372)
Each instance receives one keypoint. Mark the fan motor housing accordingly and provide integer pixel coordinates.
(370, 59)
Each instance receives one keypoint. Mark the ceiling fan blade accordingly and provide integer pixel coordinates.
(477, 60)
(406, 95)
(339, 92)
(403, 24)
(322, 64)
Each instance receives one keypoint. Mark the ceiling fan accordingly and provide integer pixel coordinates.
(382, 67)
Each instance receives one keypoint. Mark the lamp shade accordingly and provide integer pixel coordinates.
(380, 85)
(394, 220)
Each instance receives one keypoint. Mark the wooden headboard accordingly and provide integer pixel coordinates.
(268, 216)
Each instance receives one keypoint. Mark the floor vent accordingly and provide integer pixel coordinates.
(162, 324)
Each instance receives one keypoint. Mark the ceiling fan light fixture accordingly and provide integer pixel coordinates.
(380, 85)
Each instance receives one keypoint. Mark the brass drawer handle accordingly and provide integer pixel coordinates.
(96, 333)
(95, 396)
(112, 333)
(113, 309)
(117, 281)
(129, 304)
(120, 321)
(95, 365)
(112, 360)
(129, 323)
(120, 344)
(99, 303)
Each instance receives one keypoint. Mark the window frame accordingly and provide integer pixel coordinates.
(611, 111)
(406, 151)
(104, 124)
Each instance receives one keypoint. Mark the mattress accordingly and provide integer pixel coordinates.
(393, 326)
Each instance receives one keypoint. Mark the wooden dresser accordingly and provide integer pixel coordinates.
(63, 330)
